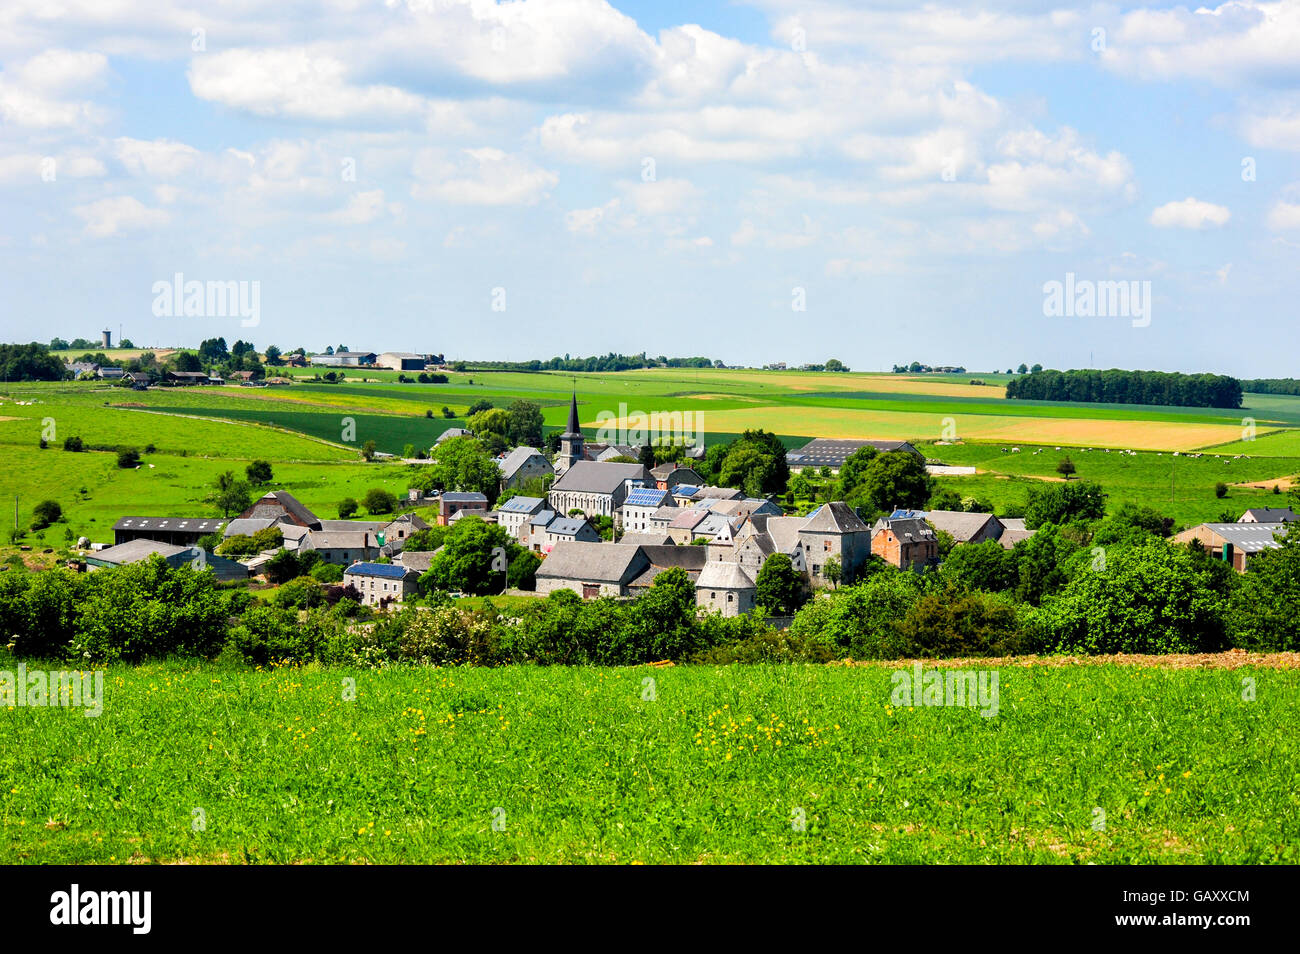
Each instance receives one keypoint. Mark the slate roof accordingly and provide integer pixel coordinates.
(724, 575)
(566, 526)
(589, 476)
(135, 550)
(1268, 515)
(248, 525)
(511, 463)
(687, 519)
(391, 571)
(288, 502)
(835, 517)
(521, 505)
(594, 562)
(542, 518)
(645, 539)
(170, 524)
(417, 560)
(458, 496)
(340, 540)
(961, 525)
(829, 452)
(908, 529)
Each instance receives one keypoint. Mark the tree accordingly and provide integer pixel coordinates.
(984, 566)
(479, 406)
(73, 444)
(45, 513)
(835, 364)
(214, 349)
(896, 480)
(779, 588)
(833, 571)
(1262, 615)
(1153, 598)
(1040, 564)
(368, 451)
(282, 567)
(853, 470)
(646, 456)
(1066, 468)
(460, 464)
(1060, 503)
(524, 428)
(1023, 369)
(1036, 368)
(259, 472)
(378, 500)
(128, 457)
(748, 468)
(347, 507)
(467, 561)
(1220, 490)
(660, 623)
(185, 361)
(272, 355)
(232, 496)
(954, 622)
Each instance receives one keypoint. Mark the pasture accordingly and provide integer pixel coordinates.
(204, 764)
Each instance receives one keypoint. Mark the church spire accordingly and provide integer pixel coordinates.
(573, 414)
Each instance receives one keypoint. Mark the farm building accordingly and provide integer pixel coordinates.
(909, 543)
(523, 464)
(179, 531)
(345, 359)
(174, 556)
(402, 361)
(452, 503)
(832, 453)
(1268, 515)
(1234, 543)
(965, 527)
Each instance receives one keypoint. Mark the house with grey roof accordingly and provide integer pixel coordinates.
(966, 527)
(640, 507)
(591, 569)
(597, 489)
(691, 560)
(669, 475)
(726, 588)
(282, 506)
(908, 543)
(1268, 515)
(834, 531)
(514, 514)
(452, 502)
(381, 584)
(523, 464)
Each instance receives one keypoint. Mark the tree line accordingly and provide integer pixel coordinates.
(1117, 386)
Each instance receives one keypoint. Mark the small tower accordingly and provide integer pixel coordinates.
(571, 443)
(108, 339)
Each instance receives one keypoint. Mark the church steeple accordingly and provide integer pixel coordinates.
(571, 441)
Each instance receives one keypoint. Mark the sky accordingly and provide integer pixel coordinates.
(752, 181)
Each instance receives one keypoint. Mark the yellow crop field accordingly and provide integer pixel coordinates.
(896, 425)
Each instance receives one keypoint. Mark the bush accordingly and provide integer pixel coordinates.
(327, 573)
(380, 501)
(301, 593)
(259, 472)
(347, 507)
(1220, 490)
(862, 619)
(45, 513)
(770, 646)
(956, 622)
(128, 457)
(270, 635)
(73, 444)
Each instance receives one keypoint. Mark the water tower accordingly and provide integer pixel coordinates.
(108, 339)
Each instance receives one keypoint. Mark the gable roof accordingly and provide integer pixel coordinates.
(595, 477)
(831, 452)
(135, 550)
(1248, 537)
(522, 505)
(724, 575)
(170, 524)
(647, 497)
(285, 501)
(516, 459)
(1268, 515)
(963, 526)
(596, 562)
(907, 529)
(417, 561)
(391, 571)
(835, 517)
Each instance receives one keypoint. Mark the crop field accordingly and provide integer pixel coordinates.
(520, 765)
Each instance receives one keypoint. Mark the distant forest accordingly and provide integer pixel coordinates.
(609, 362)
(1116, 386)
(1272, 385)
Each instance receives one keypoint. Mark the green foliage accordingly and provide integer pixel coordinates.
(30, 362)
(893, 481)
(1060, 503)
(348, 507)
(1220, 490)
(1262, 612)
(984, 566)
(73, 444)
(465, 562)
(957, 622)
(1040, 563)
(862, 619)
(283, 567)
(379, 501)
(525, 425)
(45, 513)
(779, 588)
(755, 463)
(326, 573)
(1152, 598)
(259, 472)
(460, 464)
(303, 592)
(128, 457)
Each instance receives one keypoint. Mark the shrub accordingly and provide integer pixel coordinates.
(1220, 490)
(327, 573)
(45, 513)
(379, 501)
(73, 444)
(128, 457)
(301, 593)
(770, 646)
(956, 622)
(347, 507)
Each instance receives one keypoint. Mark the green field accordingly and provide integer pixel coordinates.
(312, 433)
(581, 765)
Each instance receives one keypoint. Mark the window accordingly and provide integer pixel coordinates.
(730, 597)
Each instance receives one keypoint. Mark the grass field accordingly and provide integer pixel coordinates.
(303, 429)
(582, 765)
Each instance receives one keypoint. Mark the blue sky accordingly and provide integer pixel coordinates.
(669, 177)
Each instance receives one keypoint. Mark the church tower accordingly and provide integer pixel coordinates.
(571, 444)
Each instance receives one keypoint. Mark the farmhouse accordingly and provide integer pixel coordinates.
(342, 547)
(591, 569)
(669, 475)
(381, 583)
(909, 543)
(1268, 515)
(1234, 543)
(966, 527)
(523, 464)
(594, 488)
(280, 506)
(832, 453)
(179, 531)
(185, 378)
(1013, 531)
(402, 361)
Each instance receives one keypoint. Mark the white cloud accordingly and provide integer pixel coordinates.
(157, 159)
(485, 176)
(116, 216)
(1190, 213)
(1284, 216)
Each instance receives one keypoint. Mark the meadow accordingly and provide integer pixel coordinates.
(205, 764)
